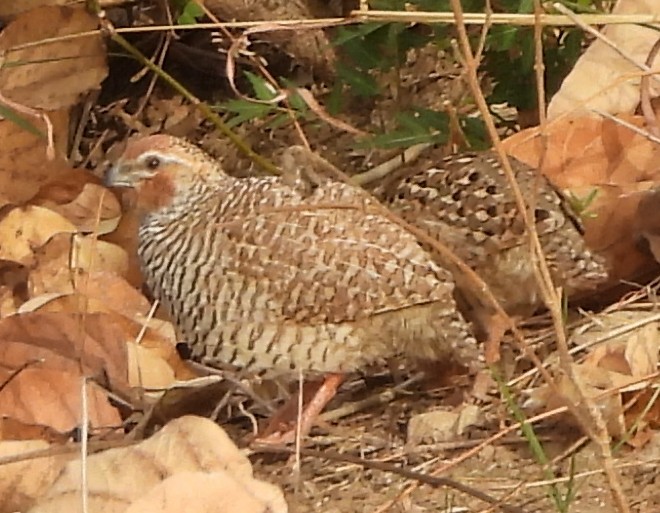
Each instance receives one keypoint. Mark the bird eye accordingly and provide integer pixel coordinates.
(153, 162)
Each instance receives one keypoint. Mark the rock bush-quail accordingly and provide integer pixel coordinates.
(466, 202)
(277, 279)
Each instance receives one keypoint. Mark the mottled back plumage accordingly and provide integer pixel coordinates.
(466, 202)
(272, 277)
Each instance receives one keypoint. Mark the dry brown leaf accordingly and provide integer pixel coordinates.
(594, 383)
(125, 236)
(8, 304)
(23, 230)
(50, 397)
(63, 264)
(611, 374)
(644, 414)
(54, 75)
(96, 341)
(442, 426)
(118, 478)
(66, 303)
(217, 492)
(13, 429)
(23, 481)
(148, 367)
(635, 356)
(601, 78)
(587, 151)
(43, 358)
(175, 115)
(95, 209)
(153, 363)
(117, 294)
(24, 167)
(15, 354)
(13, 8)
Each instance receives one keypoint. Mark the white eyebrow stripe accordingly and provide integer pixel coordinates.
(165, 158)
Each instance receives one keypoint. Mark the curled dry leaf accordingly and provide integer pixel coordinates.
(148, 367)
(98, 292)
(52, 75)
(43, 358)
(217, 492)
(13, 429)
(601, 78)
(96, 342)
(8, 9)
(23, 481)
(23, 230)
(8, 304)
(95, 209)
(64, 263)
(635, 357)
(586, 156)
(51, 397)
(594, 384)
(125, 236)
(586, 151)
(24, 167)
(442, 426)
(152, 362)
(193, 448)
(611, 374)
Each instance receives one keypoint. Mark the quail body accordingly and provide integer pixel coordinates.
(466, 202)
(259, 274)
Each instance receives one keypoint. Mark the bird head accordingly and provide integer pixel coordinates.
(162, 169)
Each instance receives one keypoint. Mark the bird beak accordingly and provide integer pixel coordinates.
(118, 176)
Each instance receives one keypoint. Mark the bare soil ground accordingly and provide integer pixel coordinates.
(505, 469)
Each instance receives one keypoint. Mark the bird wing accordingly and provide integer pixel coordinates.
(467, 202)
(320, 258)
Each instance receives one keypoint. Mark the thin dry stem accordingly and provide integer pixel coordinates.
(546, 20)
(84, 437)
(645, 93)
(585, 412)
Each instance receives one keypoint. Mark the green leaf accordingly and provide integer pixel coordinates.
(189, 13)
(295, 100)
(334, 103)
(245, 111)
(278, 121)
(401, 139)
(20, 121)
(502, 38)
(347, 34)
(476, 133)
(426, 119)
(262, 89)
(360, 82)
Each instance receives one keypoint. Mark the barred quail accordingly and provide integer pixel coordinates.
(260, 274)
(467, 204)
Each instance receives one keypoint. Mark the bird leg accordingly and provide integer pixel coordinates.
(496, 326)
(320, 397)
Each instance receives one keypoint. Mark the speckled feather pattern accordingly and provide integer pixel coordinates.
(466, 202)
(260, 274)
